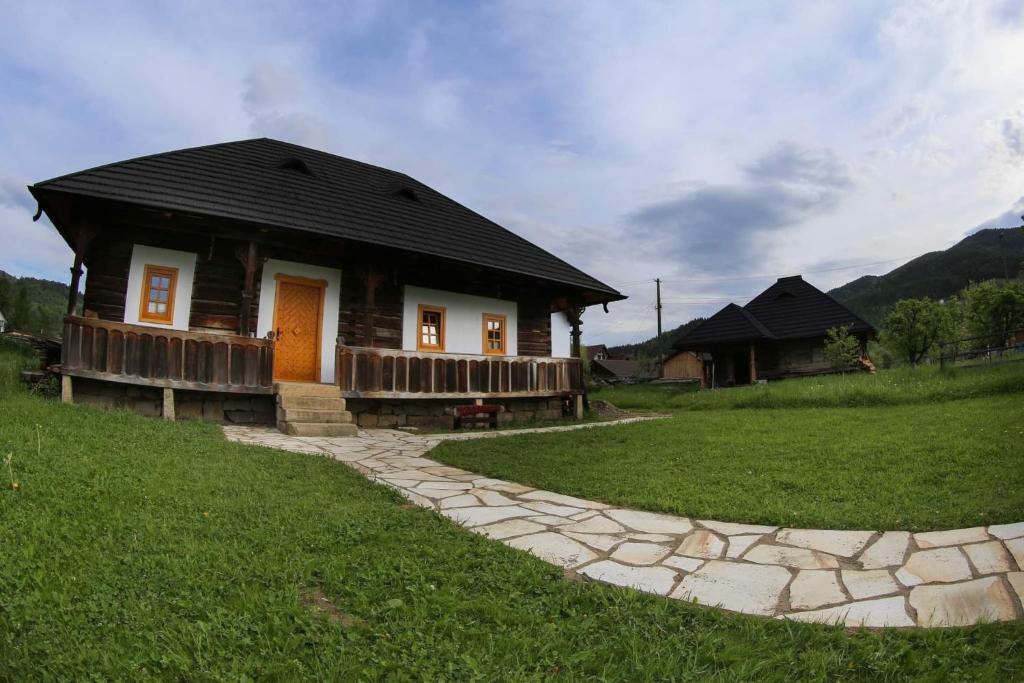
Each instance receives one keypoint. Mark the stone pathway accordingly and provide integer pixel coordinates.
(855, 578)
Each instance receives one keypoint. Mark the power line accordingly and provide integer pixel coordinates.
(775, 275)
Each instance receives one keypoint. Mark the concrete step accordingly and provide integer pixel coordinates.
(291, 389)
(317, 428)
(307, 415)
(311, 403)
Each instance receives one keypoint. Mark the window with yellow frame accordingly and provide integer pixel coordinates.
(158, 285)
(495, 334)
(431, 328)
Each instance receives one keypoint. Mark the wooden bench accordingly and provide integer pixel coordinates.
(484, 414)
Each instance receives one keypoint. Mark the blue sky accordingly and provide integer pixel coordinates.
(714, 145)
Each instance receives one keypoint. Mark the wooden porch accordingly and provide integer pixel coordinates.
(157, 357)
(394, 374)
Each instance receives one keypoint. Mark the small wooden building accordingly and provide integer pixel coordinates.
(780, 333)
(684, 365)
(222, 276)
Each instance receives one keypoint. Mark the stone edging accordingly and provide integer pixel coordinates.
(855, 578)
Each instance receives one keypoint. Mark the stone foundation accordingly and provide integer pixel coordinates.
(188, 405)
(437, 413)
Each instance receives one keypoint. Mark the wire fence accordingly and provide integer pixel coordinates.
(982, 350)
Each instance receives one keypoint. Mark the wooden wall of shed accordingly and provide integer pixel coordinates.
(387, 318)
(685, 365)
(534, 333)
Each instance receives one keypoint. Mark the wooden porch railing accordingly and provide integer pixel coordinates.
(389, 373)
(135, 354)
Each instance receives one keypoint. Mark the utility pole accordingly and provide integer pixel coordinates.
(657, 307)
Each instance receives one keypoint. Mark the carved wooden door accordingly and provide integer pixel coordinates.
(298, 311)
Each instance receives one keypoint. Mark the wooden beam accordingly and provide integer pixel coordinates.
(575, 315)
(250, 260)
(753, 364)
(83, 238)
(371, 280)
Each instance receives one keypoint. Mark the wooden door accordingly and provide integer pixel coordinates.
(298, 312)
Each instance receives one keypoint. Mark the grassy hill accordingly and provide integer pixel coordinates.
(987, 254)
(649, 348)
(32, 304)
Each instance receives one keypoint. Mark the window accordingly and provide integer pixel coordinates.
(158, 285)
(494, 334)
(431, 337)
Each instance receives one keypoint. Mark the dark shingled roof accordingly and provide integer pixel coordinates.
(789, 309)
(276, 183)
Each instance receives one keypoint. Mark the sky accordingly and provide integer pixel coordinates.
(713, 145)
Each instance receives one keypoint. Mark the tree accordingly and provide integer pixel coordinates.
(841, 348)
(914, 327)
(994, 309)
(21, 311)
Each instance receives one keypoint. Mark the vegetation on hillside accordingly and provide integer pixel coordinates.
(33, 305)
(138, 549)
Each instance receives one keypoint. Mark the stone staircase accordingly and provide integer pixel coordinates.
(312, 410)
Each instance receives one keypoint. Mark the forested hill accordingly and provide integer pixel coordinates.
(987, 254)
(33, 305)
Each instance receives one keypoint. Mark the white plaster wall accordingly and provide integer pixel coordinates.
(184, 261)
(463, 319)
(561, 336)
(332, 302)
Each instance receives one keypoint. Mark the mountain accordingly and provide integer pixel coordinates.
(987, 254)
(33, 305)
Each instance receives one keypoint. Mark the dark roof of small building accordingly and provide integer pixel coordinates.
(269, 182)
(790, 309)
(622, 369)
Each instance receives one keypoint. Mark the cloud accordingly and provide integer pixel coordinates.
(1012, 130)
(1010, 218)
(14, 194)
(720, 228)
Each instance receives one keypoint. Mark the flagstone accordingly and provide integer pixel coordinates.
(814, 588)
(1016, 548)
(799, 558)
(933, 566)
(596, 525)
(650, 522)
(552, 509)
(869, 583)
(585, 515)
(1005, 531)
(657, 580)
(640, 553)
(563, 500)
(463, 501)
(476, 516)
(888, 551)
(493, 497)
(871, 613)
(508, 487)
(988, 558)
(739, 544)
(842, 543)
(602, 542)
(737, 586)
(701, 543)
(554, 548)
(651, 538)
(937, 539)
(731, 529)
(509, 528)
(686, 564)
(963, 604)
(1016, 580)
(444, 486)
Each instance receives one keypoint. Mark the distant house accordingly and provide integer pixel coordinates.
(780, 333)
(3, 322)
(597, 352)
(615, 371)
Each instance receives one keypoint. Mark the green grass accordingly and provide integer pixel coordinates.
(139, 549)
(885, 388)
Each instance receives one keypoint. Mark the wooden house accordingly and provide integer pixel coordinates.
(779, 333)
(263, 281)
(684, 365)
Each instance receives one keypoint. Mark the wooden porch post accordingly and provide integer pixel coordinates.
(83, 239)
(753, 365)
(371, 280)
(250, 260)
(575, 316)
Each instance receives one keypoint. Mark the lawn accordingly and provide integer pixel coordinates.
(140, 549)
(913, 464)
